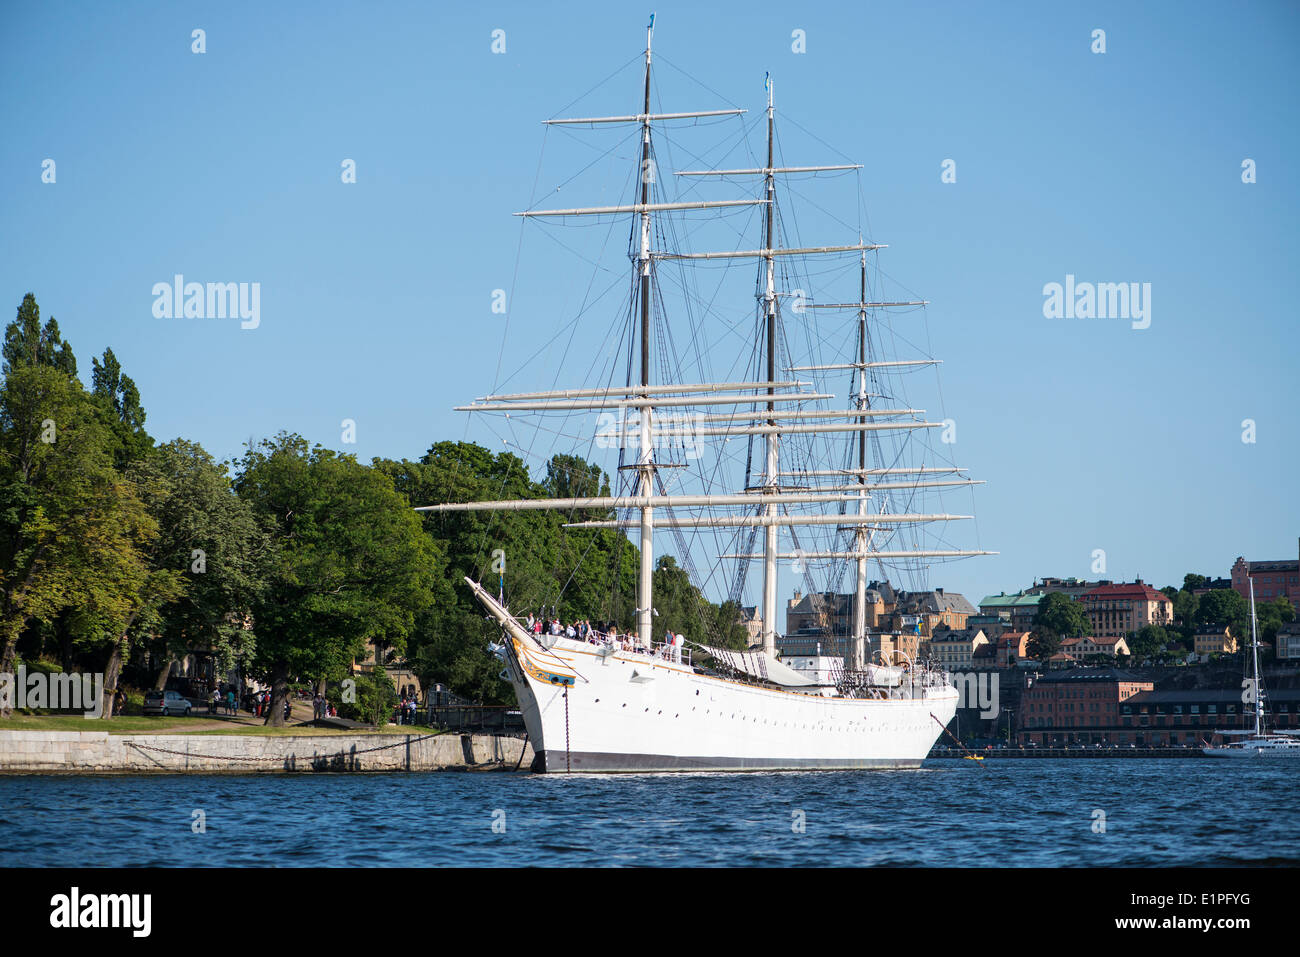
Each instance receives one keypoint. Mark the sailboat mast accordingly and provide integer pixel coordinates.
(645, 580)
(1254, 652)
(771, 532)
(858, 641)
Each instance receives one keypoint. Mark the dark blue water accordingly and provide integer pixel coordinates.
(1037, 812)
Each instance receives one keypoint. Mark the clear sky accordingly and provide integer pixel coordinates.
(1122, 166)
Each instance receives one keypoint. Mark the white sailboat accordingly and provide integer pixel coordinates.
(1256, 742)
(602, 705)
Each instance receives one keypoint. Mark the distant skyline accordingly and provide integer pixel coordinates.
(1167, 161)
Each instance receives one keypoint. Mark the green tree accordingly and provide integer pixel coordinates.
(28, 343)
(1223, 606)
(351, 563)
(1059, 616)
(376, 696)
(1148, 641)
(72, 530)
(212, 541)
(1271, 616)
(120, 400)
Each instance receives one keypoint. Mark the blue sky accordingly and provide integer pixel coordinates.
(375, 296)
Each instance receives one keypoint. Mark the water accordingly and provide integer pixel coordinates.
(1038, 812)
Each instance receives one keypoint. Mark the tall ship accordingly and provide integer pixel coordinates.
(728, 465)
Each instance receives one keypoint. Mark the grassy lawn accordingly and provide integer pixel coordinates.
(198, 724)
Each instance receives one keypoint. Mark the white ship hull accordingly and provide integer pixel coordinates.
(630, 712)
(1267, 750)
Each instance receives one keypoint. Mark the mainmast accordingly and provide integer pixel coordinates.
(645, 457)
(771, 533)
(858, 640)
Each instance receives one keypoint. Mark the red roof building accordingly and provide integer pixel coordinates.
(1272, 578)
(1116, 611)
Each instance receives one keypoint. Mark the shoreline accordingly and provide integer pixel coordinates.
(103, 752)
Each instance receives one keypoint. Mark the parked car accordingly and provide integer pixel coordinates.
(166, 702)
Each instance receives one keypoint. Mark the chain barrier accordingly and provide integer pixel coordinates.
(281, 758)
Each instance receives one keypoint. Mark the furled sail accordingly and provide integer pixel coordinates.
(759, 664)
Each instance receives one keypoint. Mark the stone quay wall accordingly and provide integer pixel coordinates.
(99, 752)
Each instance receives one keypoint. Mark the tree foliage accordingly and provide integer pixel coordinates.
(350, 562)
(121, 554)
(212, 541)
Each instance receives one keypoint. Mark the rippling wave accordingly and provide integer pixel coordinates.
(1009, 813)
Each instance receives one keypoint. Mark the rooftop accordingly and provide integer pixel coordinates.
(1003, 600)
(1131, 591)
(1089, 675)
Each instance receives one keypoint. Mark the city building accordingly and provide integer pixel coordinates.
(1272, 578)
(1012, 648)
(1081, 648)
(1077, 705)
(1120, 609)
(985, 657)
(894, 648)
(832, 614)
(1288, 641)
(1019, 609)
(931, 610)
(1191, 718)
(1073, 587)
(1213, 639)
(953, 649)
(991, 625)
(753, 622)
